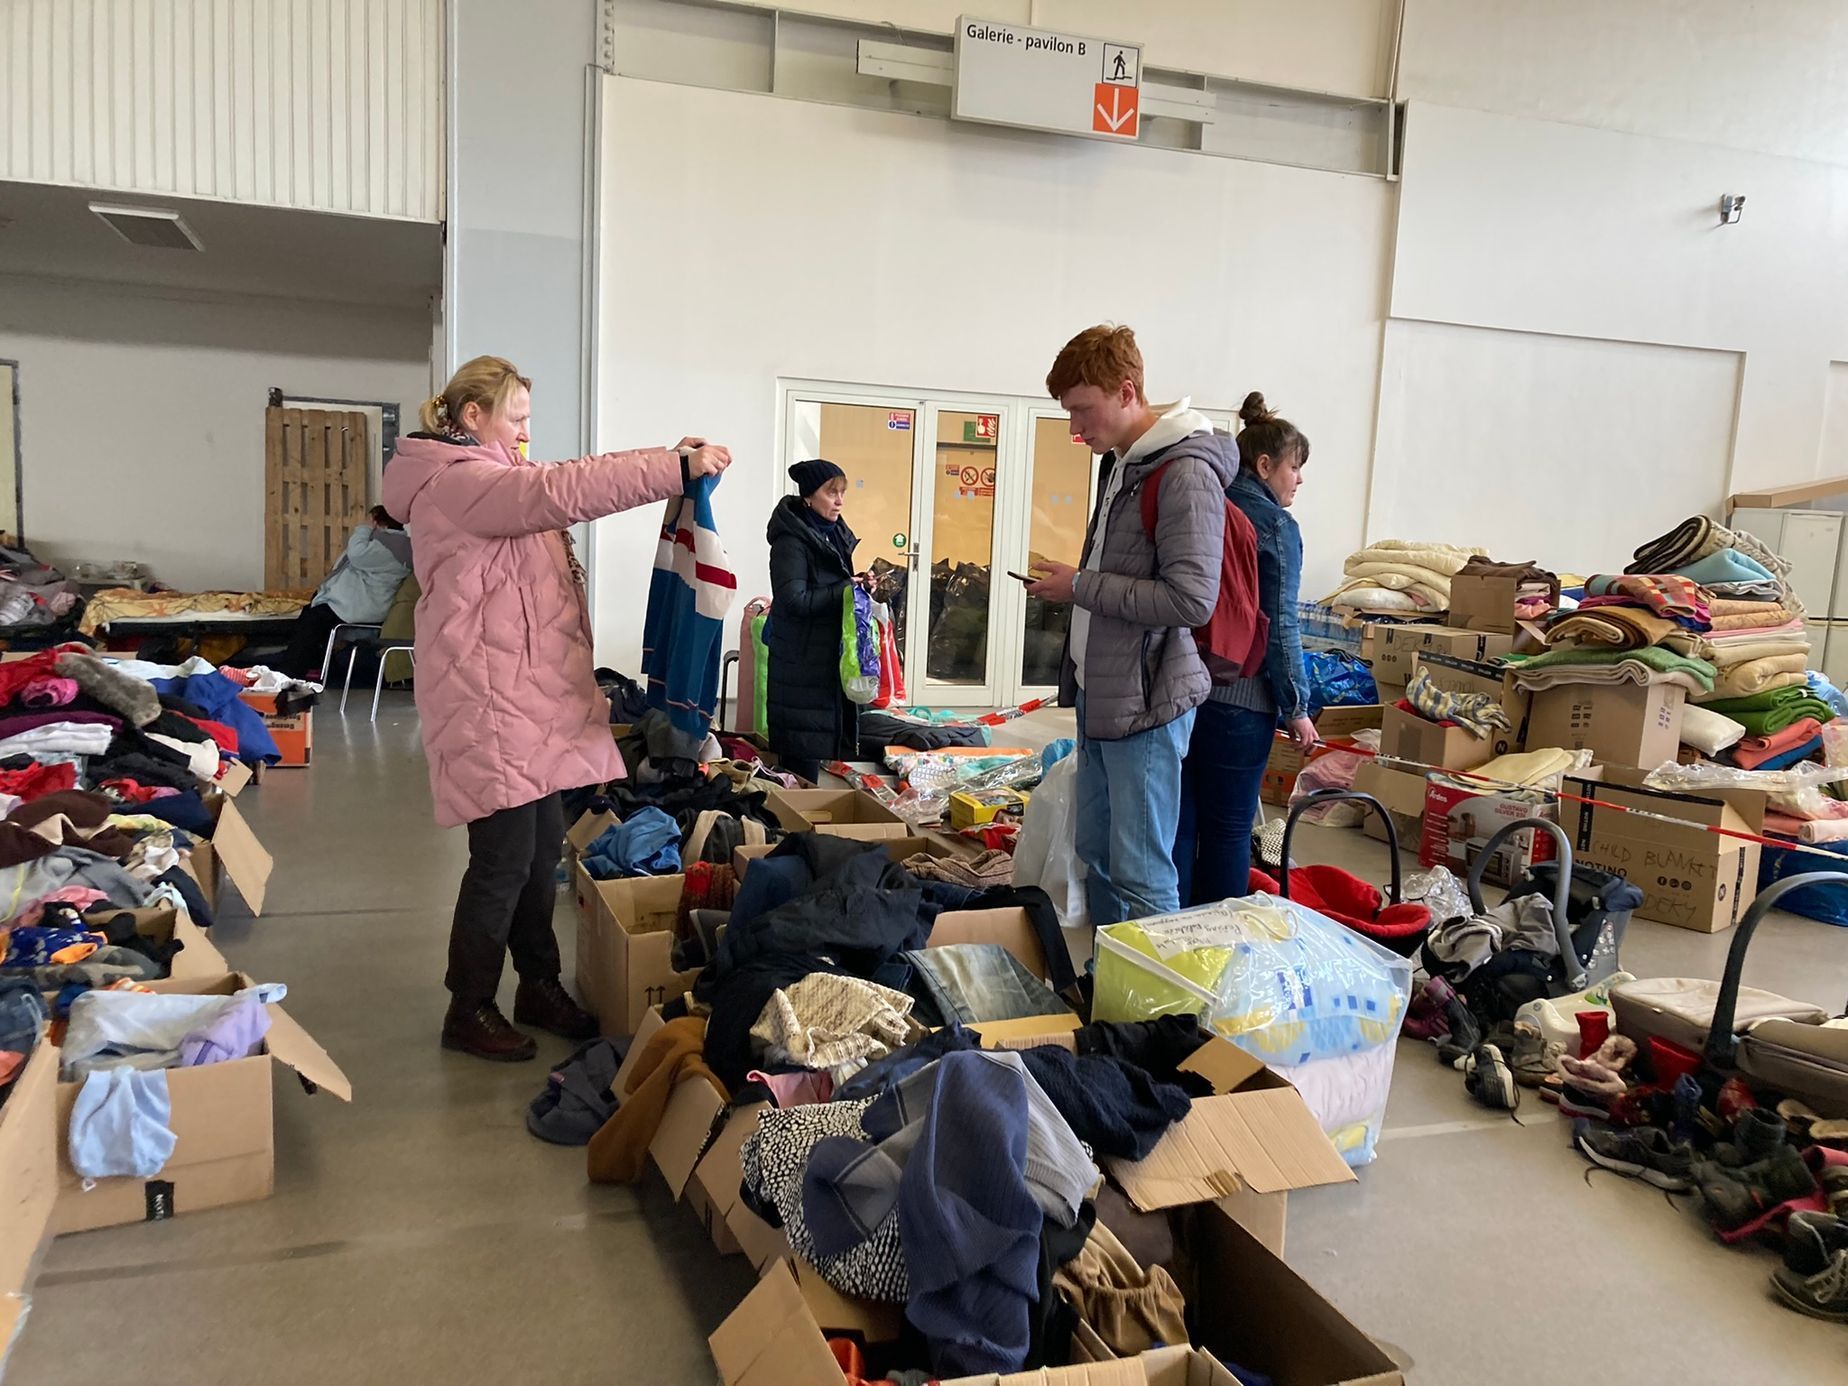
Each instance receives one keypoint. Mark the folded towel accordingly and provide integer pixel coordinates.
(1757, 675)
(1666, 594)
(1774, 709)
(1785, 759)
(1754, 751)
(1727, 565)
(1650, 666)
(1623, 628)
(1707, 731)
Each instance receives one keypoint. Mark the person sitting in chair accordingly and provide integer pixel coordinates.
(357, 592)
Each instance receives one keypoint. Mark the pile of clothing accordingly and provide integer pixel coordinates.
(36, 600)
(1636, 628)
(667, 827)
(121, 1043)
(22, 1026)
(1536, 591)
(1397, 578)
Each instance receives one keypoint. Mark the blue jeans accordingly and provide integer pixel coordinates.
(1219, 801)
(1129, 804)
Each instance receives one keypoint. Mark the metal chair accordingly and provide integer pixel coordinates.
(373, 629)
(385, 652)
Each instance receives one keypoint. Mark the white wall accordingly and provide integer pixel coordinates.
(334, 105)
(1532, 226)
(1761, 76)
(747, 238)
(141, 413)
(515, 282)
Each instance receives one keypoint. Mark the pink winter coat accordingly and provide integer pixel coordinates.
(505, 686)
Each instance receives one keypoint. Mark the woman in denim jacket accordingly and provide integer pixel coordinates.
(1233, 732)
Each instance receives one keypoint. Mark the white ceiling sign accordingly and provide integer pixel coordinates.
(1071, 84)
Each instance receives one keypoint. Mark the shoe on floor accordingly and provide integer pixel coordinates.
(1811, 1241)
(1643, 1152)
(481, 1030)
(1734, 1196)
(1532, 1056)
(1834, 1181)
(1823, 1295)
(1488, 1079)
(1575, 1102)
(548, 1006)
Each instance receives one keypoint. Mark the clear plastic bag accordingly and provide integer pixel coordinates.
(1046, 855)
(1438, 891)
(1692, 779)
(927, 792)
(1281, 981)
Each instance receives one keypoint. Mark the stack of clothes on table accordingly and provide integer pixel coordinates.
(121, 1044)
(1644, 629)
(1400, 579)
(37, 601)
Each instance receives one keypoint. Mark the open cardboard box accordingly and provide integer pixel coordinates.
(625, 947)
(232, 850)
(840, 812)
(28, 1186)
(222, 1116)
(1456, 675)
(1391, 650)
(1287, 759)
(1253, 1310)
(1619, 723)
(898, 848)
(163, 923)
(1689, 877)
(292, 732)
(1401, 793)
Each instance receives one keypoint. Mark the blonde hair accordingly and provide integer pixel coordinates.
(488, 381)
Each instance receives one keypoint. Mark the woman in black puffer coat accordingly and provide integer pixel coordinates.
(811, 565)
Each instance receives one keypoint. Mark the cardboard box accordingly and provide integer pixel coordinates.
(970, 808)
(898, 848)
(1252, 1309)
(1689, 877)
(588, 828)
(1401, 793)
(1482, 603)
(293, 733)
(841, 812)
(1619, 723)
(1495, 681)
(29, 1144)
(1390, 650)
(232, 850)
(1409, 737)
(625, 947)
(1287, 759)
(1460, 819)
(223, 1118)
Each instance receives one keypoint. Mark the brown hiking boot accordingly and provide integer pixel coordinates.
(548, 1006)
(480, 1029)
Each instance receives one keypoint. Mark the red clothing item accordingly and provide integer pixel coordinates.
(219, 732)
(38, 781)
(134, 792)
(15, 674)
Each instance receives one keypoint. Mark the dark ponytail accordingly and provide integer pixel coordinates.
(1264, 434)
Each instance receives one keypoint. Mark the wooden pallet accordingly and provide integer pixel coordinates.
(315, 466)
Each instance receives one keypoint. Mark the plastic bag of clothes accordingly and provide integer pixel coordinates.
(859, 653)
(1046, 854)
(1338, 679)
(891, 667)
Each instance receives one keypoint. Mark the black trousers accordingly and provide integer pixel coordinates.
(505, 904)
(307, 643)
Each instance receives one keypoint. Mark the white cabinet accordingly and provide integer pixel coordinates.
(1813, 542)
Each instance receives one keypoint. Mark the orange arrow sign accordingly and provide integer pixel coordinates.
(1116, 110)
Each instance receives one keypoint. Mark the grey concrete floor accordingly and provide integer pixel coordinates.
(421, 1235)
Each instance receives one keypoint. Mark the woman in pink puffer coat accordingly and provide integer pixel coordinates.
(511, 711)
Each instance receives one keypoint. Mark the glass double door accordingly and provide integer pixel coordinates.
(950, 496)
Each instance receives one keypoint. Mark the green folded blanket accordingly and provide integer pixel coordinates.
(1663, 661)
(1764, 714)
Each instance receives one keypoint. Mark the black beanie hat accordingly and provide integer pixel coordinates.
(812, 475)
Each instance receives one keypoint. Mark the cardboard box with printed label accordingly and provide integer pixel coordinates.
(625, 947)
(223, 1120)
(1619, 723)
(293, 732)
(1689, 877)
(29, 1144)
(1481, 602)
(1390, 650)
(1488, 680)
(1332, 724)
(1401, 793)
(232, 850)
(1252, 1309)
(840, 812)
(1461, 818)
(1408, 737)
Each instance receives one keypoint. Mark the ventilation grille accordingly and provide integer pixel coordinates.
(155, 227)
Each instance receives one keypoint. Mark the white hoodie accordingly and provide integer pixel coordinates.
(1176, 422)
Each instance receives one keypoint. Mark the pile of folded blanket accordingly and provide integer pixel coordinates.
(1397, 577)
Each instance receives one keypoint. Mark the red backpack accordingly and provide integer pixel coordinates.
(1235, 638)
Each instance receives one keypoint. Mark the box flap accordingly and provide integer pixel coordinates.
(234, 777)
(29, 1141)
(291, 1045)
(245, 861)
(589, 828)
(835, 1313)
(198, 958)
(1011, 928)
(1029, 1032)
(643, 1033)
(1223, 1064)
(1265, 1141)
(685, 1128)
(771, 1339)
